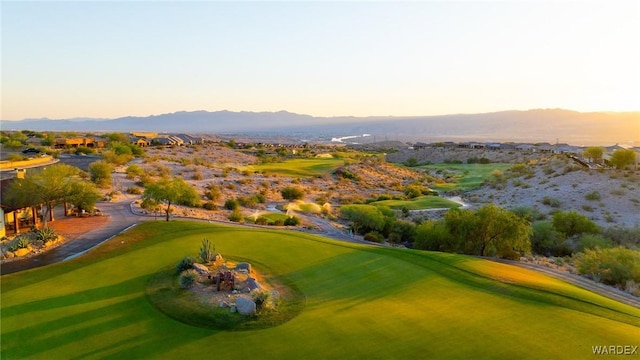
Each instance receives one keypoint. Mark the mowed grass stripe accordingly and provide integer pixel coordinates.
(362, 302)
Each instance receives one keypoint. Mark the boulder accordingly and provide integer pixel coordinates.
(244, 266)
(245, 306)
(201, 269)
(253, 284)
(233, 309)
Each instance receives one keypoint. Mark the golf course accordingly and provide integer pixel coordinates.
(358, 302)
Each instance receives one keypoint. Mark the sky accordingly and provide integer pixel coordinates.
(120, 58)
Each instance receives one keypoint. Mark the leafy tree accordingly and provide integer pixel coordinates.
(100, 172)
(83, 195)
(171, 191)
(435, 236)
(594, 153)
(546, 240)
(491, 230)
(571, 223)
(48, 186)
(292, 193)
(623, 158)
(365, 218)
(117, 138)
(402, 230)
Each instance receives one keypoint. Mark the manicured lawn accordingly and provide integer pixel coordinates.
(361, 302)
(464, 176)
(419, 203)
(300, 167)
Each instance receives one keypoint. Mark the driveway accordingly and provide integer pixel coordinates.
(119, 216)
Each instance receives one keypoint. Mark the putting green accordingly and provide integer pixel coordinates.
(361, 302)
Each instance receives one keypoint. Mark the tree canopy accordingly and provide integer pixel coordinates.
(594, 153)
(623, 158)
(49, 186)
(171, 191)
(489, 231)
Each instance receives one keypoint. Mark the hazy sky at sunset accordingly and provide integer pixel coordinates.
(112, 59)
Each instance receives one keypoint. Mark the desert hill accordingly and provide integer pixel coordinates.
(538, 125)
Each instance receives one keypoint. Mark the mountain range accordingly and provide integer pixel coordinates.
(551, 125)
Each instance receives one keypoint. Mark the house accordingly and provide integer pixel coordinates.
(63, 143)
(526, 148)
(139, 141)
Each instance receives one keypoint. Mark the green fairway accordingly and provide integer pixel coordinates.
(361, 302)
(464, 176)
(299, 167)
(419, 203)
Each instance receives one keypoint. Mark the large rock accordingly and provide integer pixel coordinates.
(201, 269)
(253, 284)
(245, 306)
(244, 266)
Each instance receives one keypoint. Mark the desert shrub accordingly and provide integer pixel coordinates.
(292, 221)
(547, 241)
(264, 300)
(247, 201)
(207, 251)
(528, 213)
(411, 162)
(231, 204)
(213, 192)
(262, 221)
(236, 216)
(593, 196)
(571, 223)
(210, 205)
(278, 222)
(592, 241)
(20, 242)
(185, 264)
(292, 193)
(346, 174)
(134, 190)
(188, 279)
(553, 202)
(628, 237)
(197, 175)
(373, 236)
(615, 266)
(45, 235)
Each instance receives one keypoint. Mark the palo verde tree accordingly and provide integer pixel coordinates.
(594, 153)
(623, 158)
(171, 191)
